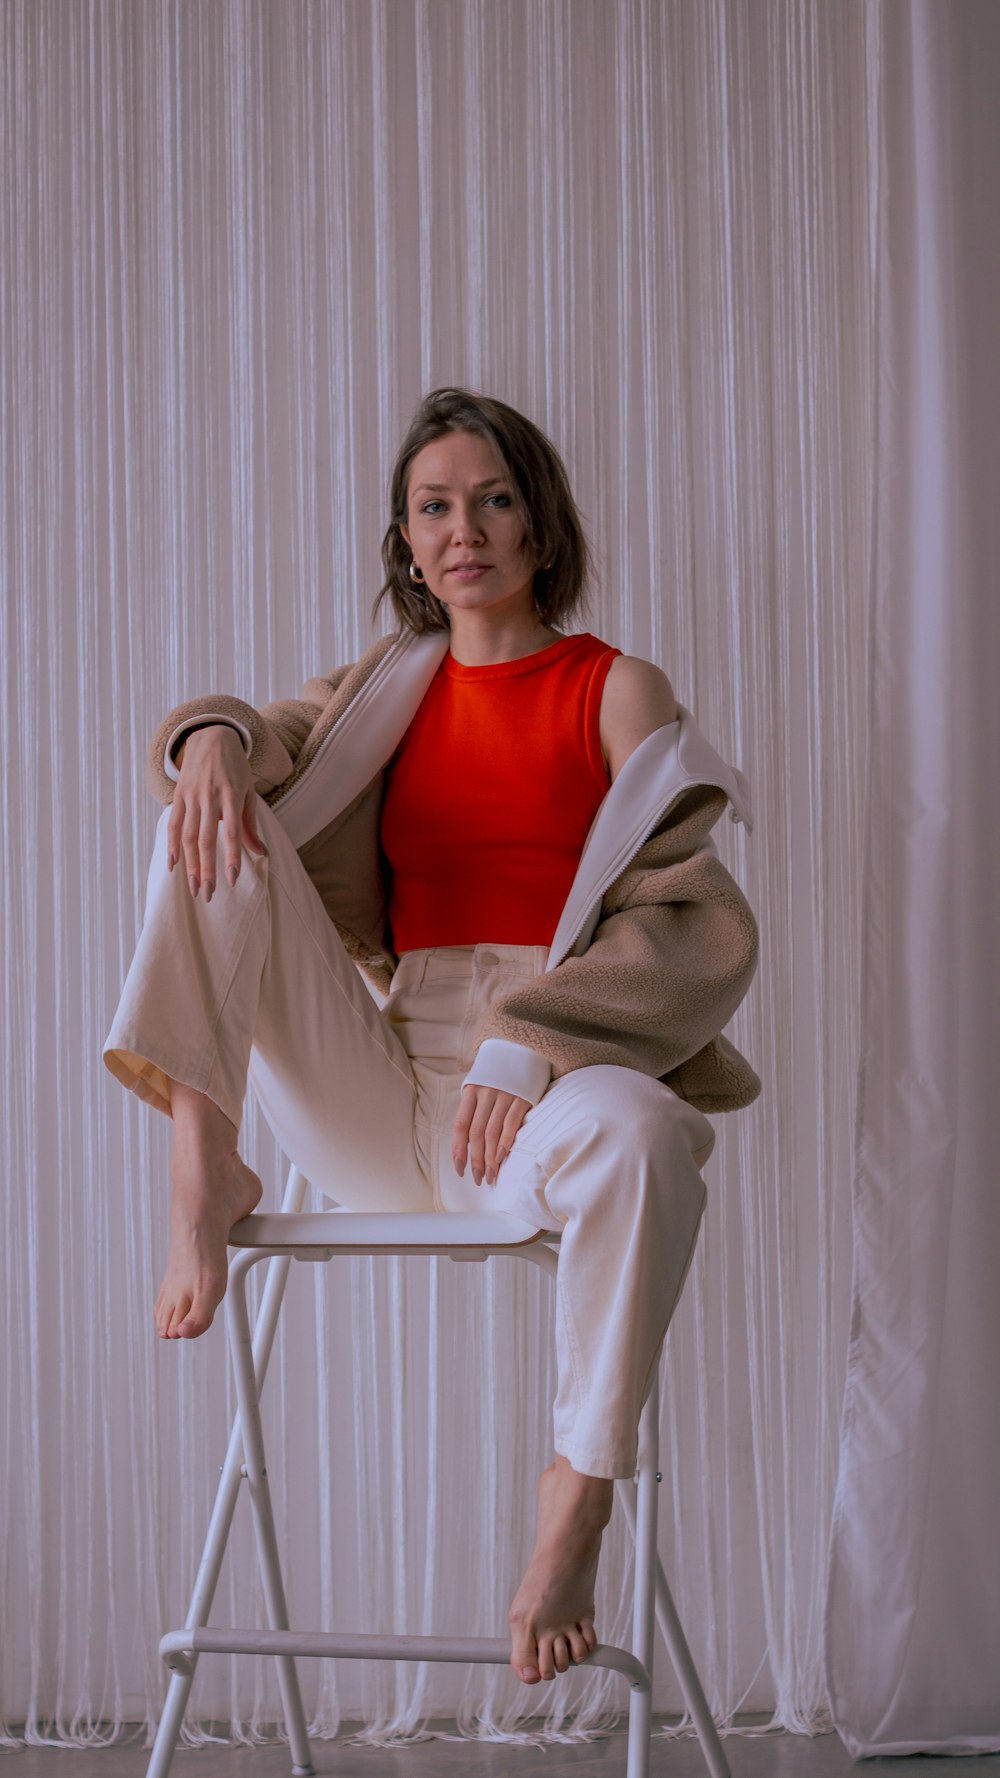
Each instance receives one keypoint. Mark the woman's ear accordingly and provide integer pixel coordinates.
(406, 537)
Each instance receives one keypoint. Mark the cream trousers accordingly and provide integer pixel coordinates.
(363, 1098)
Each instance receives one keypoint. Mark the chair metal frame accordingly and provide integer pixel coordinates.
(320, 1236)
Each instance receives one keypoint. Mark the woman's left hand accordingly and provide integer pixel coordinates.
(487, 1122)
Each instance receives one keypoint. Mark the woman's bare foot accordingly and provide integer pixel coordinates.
(552, 1617)
(212, 1189)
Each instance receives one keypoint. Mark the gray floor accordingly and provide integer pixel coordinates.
(771, 1756)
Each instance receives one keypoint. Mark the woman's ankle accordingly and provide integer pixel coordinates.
(199, 1123)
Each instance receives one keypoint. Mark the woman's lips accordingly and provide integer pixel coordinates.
(470, 572)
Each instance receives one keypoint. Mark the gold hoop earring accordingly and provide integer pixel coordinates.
(417, 575)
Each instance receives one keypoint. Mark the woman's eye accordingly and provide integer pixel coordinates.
(433, 507)
(500, 499)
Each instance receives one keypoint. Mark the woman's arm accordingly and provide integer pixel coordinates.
(215, 786)
(212, 757)
(638, 699)
(272, 738)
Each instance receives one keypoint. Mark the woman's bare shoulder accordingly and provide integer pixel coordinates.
(638, 699)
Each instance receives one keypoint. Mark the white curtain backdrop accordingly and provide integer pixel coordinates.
(914, 1604)
(237, 242)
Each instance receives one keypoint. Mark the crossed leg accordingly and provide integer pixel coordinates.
(256, 981)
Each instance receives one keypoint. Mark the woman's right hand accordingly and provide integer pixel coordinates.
(215, 784)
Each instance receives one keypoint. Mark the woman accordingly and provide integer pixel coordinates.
(507, 827)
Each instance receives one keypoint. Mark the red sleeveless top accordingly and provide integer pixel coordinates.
(490, 797)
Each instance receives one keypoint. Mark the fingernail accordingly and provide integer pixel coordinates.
(193, 884)
(459, 1167)
(529, 1674)
(232, 872)
(477, 1176)
(209, 891)
(490, 1176)
(171, 860)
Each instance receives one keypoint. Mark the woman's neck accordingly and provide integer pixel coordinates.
(483, 638)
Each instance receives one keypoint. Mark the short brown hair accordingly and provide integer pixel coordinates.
(553, 531)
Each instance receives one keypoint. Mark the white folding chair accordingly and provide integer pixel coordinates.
(291, 1234)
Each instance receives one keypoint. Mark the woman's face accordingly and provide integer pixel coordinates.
(464, 529)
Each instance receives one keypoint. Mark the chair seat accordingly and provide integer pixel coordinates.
(394, 1232)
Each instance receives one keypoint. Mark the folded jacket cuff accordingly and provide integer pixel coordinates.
(511, 1068)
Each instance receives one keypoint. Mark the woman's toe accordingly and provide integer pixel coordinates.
(524, 1654)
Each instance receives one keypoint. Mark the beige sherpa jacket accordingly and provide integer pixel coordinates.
(656, 945)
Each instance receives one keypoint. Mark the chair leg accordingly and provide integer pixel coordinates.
(227, 1494)
(671, 1631)
(169, 1726)
(248, 1397)
(643, 1525)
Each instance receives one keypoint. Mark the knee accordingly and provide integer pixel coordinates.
(620, 1153)
(639, 1115)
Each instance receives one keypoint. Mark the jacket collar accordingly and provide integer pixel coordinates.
(365, 738)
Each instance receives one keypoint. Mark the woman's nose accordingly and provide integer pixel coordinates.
(467, 525)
